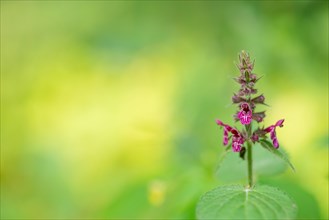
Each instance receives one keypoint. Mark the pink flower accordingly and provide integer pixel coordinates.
(271, 130)
(237, 139)
(245, 114)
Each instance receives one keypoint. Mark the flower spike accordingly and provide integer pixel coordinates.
(247, 102)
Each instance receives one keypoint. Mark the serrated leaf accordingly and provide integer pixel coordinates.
(231, 168)
(237, 202)
(277, 152)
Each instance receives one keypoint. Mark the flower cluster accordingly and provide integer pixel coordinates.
(246, 109)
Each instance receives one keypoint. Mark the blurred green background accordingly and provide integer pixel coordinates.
(108, 107)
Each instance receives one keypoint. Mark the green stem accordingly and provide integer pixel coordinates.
(249, 155)
(249, 152)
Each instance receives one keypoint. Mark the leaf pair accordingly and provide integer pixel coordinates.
(232, 168)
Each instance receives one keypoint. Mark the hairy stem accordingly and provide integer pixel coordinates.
(249, 155)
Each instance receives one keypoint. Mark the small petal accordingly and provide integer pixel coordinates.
(245, 117)
(279, 123)
(236, 147)
(227, 127)
(275, 142)
(245, 106)
(271, 130)
(225, 139)
(235, 132)
(219, 122)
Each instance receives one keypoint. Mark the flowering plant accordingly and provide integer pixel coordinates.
(252, 201)
(246, 113)
(247, 106)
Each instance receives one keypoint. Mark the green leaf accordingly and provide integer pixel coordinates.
(237, 202)
(277, 152)
(231, 168)
(308, 207)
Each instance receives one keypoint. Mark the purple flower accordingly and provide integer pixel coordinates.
(271, 130)
(237, 141)
(245, 114)
(237, 138)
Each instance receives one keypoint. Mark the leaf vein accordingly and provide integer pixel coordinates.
(266, 204)
(274, 201)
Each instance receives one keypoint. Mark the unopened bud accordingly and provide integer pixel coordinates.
(247, 91)
(245, 64)
(259, 99)
(253, 78)
(259, 116)
(242, 152)
(237, 99)
(246, 73)
(253, 91)
(254, 138)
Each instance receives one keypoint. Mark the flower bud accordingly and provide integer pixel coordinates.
(245, 65)
(247, 91)
(242, 152)
(251, 84)
(259, 116)
(240, 80)
(253, 91)
(254, 137)
(259, 99)
(246, 73)
(253, 78)
(237, 99)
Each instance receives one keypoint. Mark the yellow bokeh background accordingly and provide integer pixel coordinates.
(108, 107)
